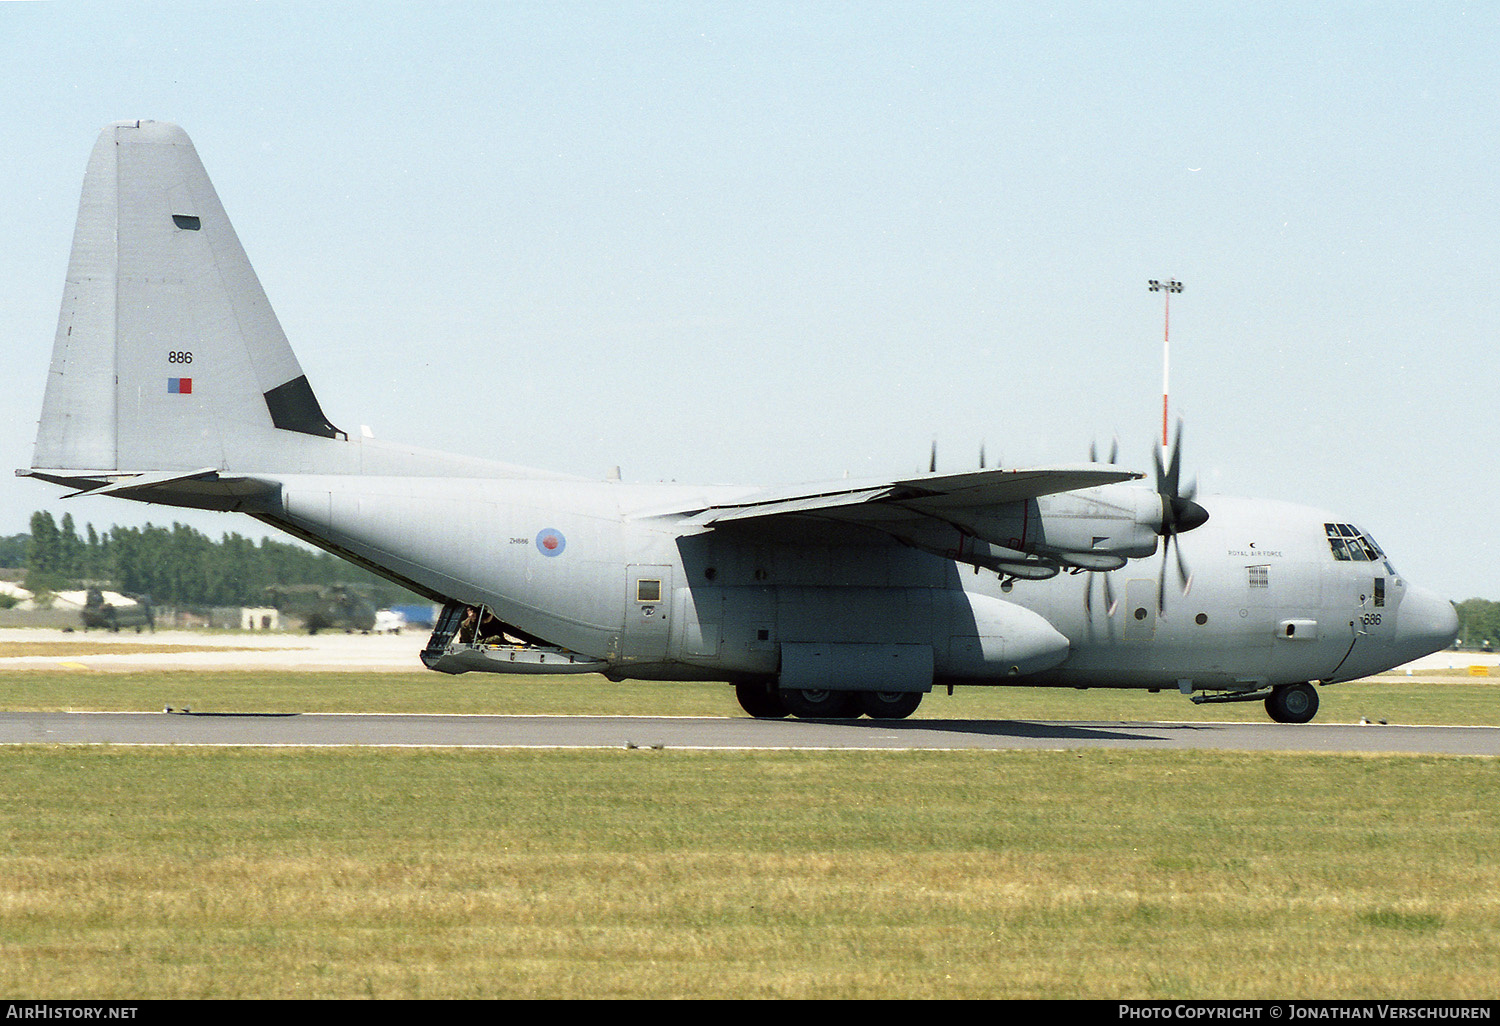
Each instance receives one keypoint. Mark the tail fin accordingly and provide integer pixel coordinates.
(168, 356)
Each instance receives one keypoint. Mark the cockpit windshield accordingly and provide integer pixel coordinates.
(1351, 545)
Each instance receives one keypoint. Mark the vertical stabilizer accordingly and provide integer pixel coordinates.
(168, 355)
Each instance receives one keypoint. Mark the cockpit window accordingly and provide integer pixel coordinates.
(1349, 544)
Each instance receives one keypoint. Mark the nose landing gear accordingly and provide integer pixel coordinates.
(1292, 703)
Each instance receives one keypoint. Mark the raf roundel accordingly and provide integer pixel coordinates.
(551, 542)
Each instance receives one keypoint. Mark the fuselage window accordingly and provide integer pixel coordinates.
(648, 591)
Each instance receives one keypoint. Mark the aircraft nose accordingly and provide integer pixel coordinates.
(1428, 622)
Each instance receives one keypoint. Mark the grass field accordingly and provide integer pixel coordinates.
(1430, 699)
(425, 874)
(175, 873)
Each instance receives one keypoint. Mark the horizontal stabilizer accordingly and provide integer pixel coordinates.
(206, 488)
(117, 484)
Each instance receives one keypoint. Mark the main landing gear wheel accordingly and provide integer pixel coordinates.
(819, 704)
(889, 705)
(762, 701)
(1292, 703)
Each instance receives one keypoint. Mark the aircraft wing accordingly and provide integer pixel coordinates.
(938, 496)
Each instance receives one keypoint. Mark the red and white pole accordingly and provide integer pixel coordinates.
(1167, 287)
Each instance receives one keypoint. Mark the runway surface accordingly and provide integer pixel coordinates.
(722, 733)
(104, 652)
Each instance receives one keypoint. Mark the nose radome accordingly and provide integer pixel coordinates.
(1428, 622)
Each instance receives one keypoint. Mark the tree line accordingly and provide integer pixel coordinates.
(1478, 622)
(177, 565)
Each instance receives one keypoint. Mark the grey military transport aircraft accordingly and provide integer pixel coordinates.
(171, 382)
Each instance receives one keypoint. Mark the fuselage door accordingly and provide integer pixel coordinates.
(647, 608)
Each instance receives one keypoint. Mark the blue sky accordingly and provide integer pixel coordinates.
(771, 243)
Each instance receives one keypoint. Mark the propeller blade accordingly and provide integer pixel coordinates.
(1161, 580)
(1183, 576)
(932, 461)
(1109, 595)
(1174, 469)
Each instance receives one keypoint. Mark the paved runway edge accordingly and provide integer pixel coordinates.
(721, 733)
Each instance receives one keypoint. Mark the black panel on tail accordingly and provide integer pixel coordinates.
(294, 408)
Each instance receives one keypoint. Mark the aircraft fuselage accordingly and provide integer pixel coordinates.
(586, 566)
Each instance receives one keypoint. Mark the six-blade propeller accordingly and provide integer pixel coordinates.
(1179, 513)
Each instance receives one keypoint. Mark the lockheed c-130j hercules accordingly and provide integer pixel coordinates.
(171, 382)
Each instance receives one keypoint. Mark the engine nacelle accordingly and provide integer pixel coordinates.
(1087, 528)
(1094, 529)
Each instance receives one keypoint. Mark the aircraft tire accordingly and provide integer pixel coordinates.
(760, 700)
(1292, 703)
(889, 705)
(819, 704)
